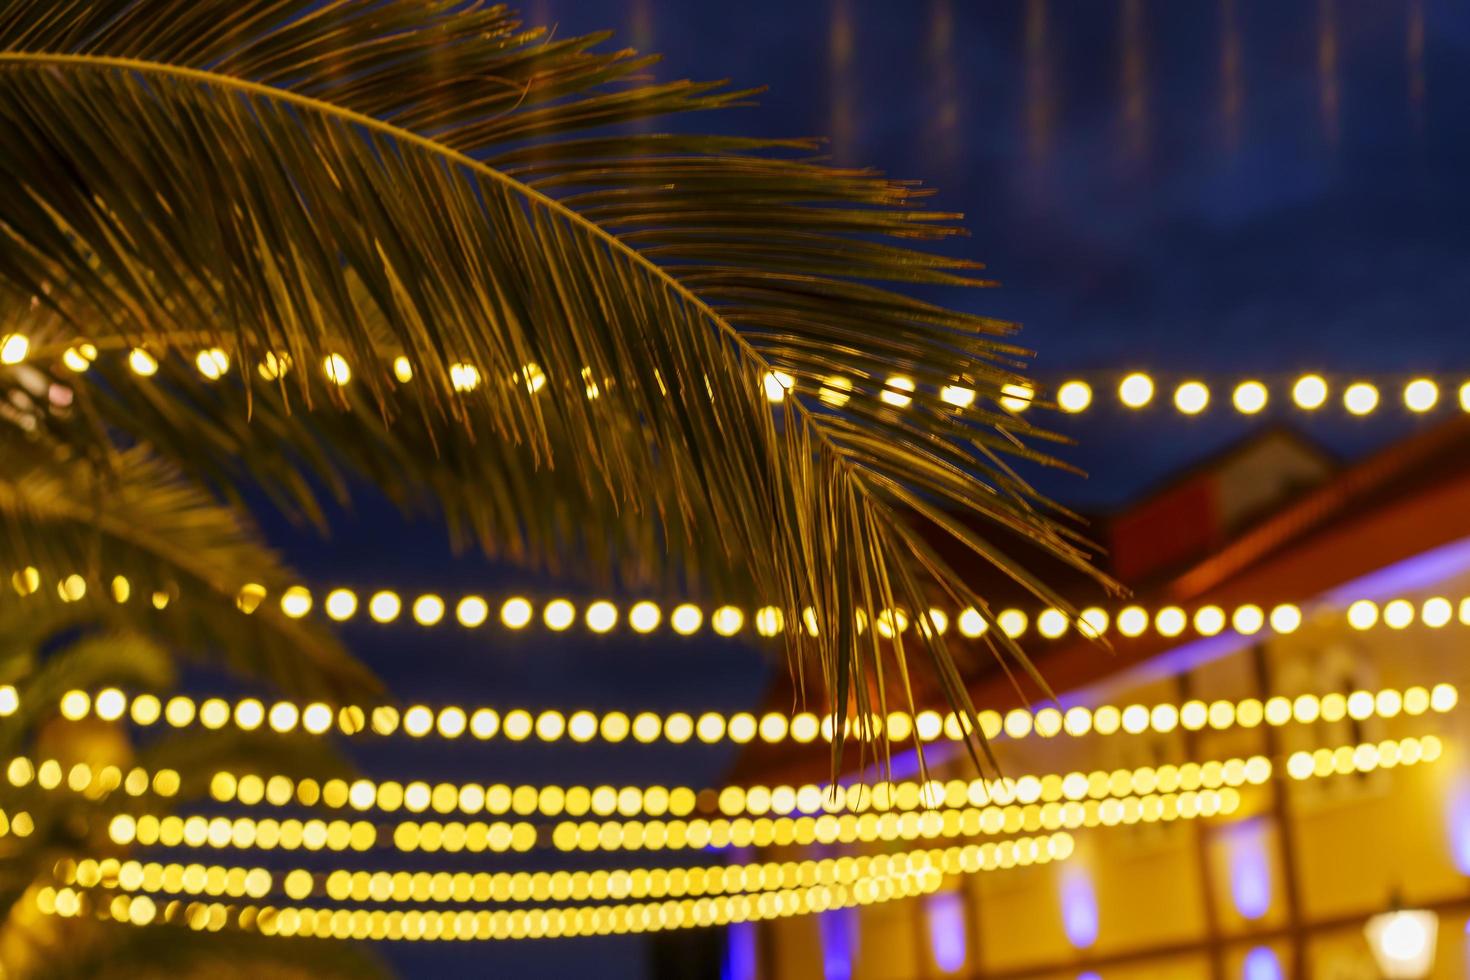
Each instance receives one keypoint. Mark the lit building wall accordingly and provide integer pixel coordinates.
(1170, 899)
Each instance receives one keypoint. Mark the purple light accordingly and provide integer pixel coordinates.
(740, 958)
(1089, 975)
(1261, 964)
(838, 929)
(1250, 868)
(1079, 907)
(1457, 823)
(945, 914)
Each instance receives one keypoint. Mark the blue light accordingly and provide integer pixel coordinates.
(945, 914)
(1250, 868)
(740, 958)
(838, 929)
(1079, 907)
(1089, 975)
(1261, 964)
(1458, 824)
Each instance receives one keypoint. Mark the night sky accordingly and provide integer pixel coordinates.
(1205, 189)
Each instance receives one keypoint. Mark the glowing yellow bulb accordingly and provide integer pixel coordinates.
(1309, 392)
(835, 390)
(1249, 397)
(558, 614)
(515, 613)
(336, 368)
(73, 588)
(471, 611)
(1436, 612)
(727, 620)
(1094, 622)
(601, 616)
(142, 363)
(686, 619)
(1363, 614)
(776, 384)
(1421, 395)
(274, 366)
(75, 705)
(1012, 623)
(13, 348)
(1016, 397)
(213, 363)
(110, 704)
(957, 396)
(1191, 397)
(769, 621)
(1285, 618)
(1209, 620)
(1074, 396)
(1132, 621)
(402, 369)
(1398, 614)
(972, 624)
(1136, 390)
(1170, 621)
(1360, 398)
(644, 617)
(1051, 623)
(1247, 619)
(1465, 397)
(341, 604)
(466, 377)
(428, 609)
(296, 602)
(893, 391)
(79, 358)
(249, 598)
(384, 607)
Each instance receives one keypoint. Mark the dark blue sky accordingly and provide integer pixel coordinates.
(1144, 204)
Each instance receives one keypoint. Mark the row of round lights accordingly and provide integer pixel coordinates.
(1167, 800)
(656, 801)
(1308, 393)
(551, 725)
(618, 884)
(503, 924)
(687, 619)
(1137, 390)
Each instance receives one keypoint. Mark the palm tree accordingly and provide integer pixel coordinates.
(416, 248)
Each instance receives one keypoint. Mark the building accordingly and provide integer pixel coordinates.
(1325, 608)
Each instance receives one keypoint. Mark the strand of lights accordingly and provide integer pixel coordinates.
(970, 822)
(657, 801)
(617, 884)
(551, 725)
(688, 619)
(891, 826)
(501, 924)
(1167, 801)
(1137, 390)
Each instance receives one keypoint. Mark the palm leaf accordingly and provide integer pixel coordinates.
(428, 180)
(135, 516)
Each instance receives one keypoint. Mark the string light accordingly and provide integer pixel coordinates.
(686, 619)
(1136, 390)
(887, 878)
(618, 884)
(741, 727)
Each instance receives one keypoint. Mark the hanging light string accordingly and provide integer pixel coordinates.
(616, 884)
(602, 616)
(904, 878)
(454, 722)
(1307, 392)
(956, 809)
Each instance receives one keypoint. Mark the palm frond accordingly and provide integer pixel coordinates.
(133, 515)
(429, 180)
